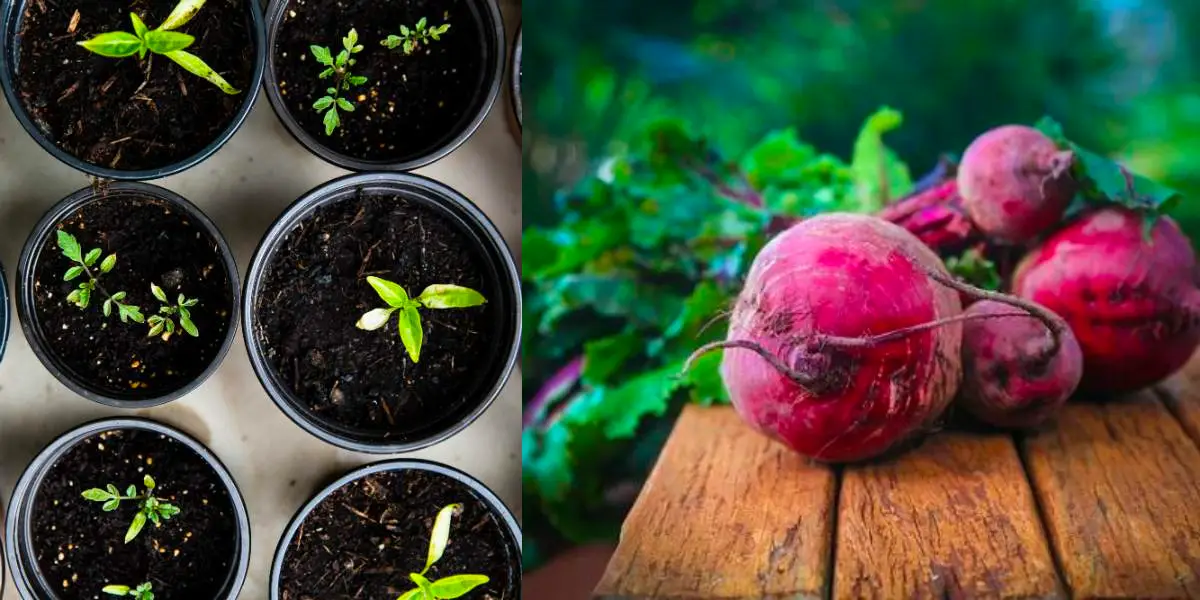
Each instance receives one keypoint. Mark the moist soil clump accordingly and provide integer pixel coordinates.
(364, 539)
(409, 104)
(126, 113)
(79, 548)
(154, 242)
(314, 290)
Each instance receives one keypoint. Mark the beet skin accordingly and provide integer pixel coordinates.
(846, 277)
(1132, 302)
(1015, 183)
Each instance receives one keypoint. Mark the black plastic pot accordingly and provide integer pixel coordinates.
(499, 510)
(10, 22)
(5, 313)
(19, 552)
(485, 96)
(516, 85)
(27, 314)
(499, 268)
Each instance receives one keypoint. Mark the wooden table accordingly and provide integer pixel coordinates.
(1105, 503)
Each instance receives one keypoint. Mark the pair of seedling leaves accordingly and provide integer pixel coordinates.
(150, 509)
(339, 66)
(161, 324)
(446, 588)
(437, 296)
(163, 40)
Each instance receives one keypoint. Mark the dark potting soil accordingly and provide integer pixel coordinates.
(154, 242)
(80, 548)
(130, 114)
(409, 104)
(364, 539)
(314, 290)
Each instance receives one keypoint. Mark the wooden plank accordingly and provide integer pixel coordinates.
(1119, 486)
(1181, 394)
(954, 518)
(726, 513)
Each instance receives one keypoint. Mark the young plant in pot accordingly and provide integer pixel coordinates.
(383, 86)
(124, 89)
(128, 294)
(382, 312)
(127, 507)
(401, 530)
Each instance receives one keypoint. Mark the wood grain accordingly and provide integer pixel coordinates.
(1118, 485)
(726, 513)
(953, 519)
(1181, 394)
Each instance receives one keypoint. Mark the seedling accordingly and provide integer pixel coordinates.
(154, 510)
(434, 296)
(163, 324)
(446, 588)
(339, 68)
(164, 41)
(82, 296)
(411, 39)
(141, 592)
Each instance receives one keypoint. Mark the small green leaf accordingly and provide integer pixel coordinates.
(456, 586)
(450, 296)
(73, 297)
(345, 105)
(112, 489)
(163, 42)
(410, 46)
(96, 495)
(440, 535)
(168, 510)
(374, 319)
(356, 79)
(109, 262)
(331, 121)
(116, 590)
(181, 14)
(139, 27)
(73, 273)
(391, 42)
(325, 73)
(351, 40)
(410, 332)
(70, 246)
(139, 522)
(115, 44)
(342, 58)
(323, 103)
(131, 313)
(404, 30)
(423, 584)
(158, 292)
(92, 257)
(111, 505)
(131, 491)
(170, 326)
(192, 64)
(389, 292)
(185, 321)
(85, 297)
(119, 296)
(421, 24)
(148, 481)
(322, 55)
(108, 307)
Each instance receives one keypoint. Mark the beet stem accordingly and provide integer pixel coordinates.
(1053, 322)
(868, 341)
(803, 380)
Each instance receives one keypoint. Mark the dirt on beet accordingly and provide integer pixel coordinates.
(154, 242)
(130, 114)
(409, 104)
(364, 539)
(314, 290)
(79, 548)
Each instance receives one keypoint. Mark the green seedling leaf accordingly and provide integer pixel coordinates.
(331, 121)
(97, 495)
(108, 307)
(165, 42)
(92, 257)
(374, 319)
(139, 27)
(345, 105)
(450, 296)
(73, 273)
(185, 321)
(139, 522)
(441, 534)
(70, 246)
(117, 590)
(422, 583)
(389, 292)
(181, 14)
(192, 64)
(147, 481)
(114, 44)
(456, 586)
(109, 262)
(323, 103)
(410, 332)
(322, 55)
(158, 292)
(356, 79)
(350, 42)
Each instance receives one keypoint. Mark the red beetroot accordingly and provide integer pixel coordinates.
(1131, 302)
(1017, 369)
(1015, 183)
(936, 216)
(801, 365)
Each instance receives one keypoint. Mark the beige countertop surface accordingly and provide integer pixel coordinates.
(243, 188)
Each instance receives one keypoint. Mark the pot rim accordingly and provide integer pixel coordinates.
(27, 313)
(494, 75)
(10, 20)
(497, 506)
(19, 537)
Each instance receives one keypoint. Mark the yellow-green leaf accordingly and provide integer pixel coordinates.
(423, 584)
(164, 42)
(389, 292)
(181, 14)
(450, 296)
(139, 26)
(192, 64)
(456, 586)
(441, 534)
(410, 332)
(115, 44)
(139, 521)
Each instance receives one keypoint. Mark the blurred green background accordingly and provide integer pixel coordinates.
(1122, 77)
